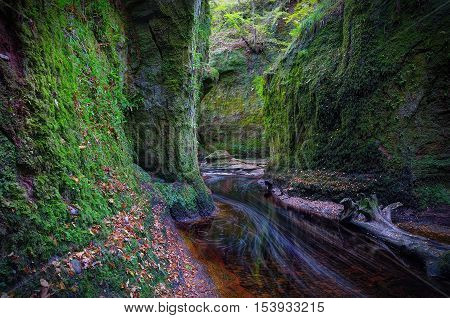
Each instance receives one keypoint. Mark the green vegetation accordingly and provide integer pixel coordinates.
(359, 91)
(345, 86)
(246, 37)
(67, 164)
(101, 104)
(169, 57)
(305, 14)
(432, 194)
(73, 139)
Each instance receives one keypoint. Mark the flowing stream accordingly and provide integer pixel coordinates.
(254, 248)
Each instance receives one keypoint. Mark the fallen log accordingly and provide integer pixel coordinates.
(375, 220)
(369, 216)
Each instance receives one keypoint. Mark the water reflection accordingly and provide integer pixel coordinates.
(254, 248)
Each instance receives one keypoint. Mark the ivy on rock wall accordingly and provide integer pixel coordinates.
(364, 88)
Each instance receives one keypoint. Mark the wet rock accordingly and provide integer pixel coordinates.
(76, 266)
(277, 191)
(73, 211)
(261, 182)
(218, 155)
(233, 166)
(167, 36)
(256, 172)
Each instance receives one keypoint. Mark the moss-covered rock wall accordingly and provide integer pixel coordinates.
(364, 88)
(62, 103)
(72, 75)
(231, 115)
(247, 36)
(168, 51)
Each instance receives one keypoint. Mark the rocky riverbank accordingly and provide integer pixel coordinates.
(423, 234)
(222, 163)
(319, 191)
(418, 236)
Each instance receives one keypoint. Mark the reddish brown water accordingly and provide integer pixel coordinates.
(253, 248)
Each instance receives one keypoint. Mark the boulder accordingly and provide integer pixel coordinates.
(218, 155)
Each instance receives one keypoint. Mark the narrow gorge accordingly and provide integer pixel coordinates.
(224, 148)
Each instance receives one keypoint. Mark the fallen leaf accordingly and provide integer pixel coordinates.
(75, 178)
(44, 283)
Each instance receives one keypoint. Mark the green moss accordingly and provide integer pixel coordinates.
(355, 93)
(67, 163)
(247, 36)
(431, 195)
(73, 138)
(234, 61)
(444, 265)
(169, 85)
(231, 117)
(181, 199)
(114, 273)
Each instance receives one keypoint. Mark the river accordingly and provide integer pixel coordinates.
(254, 248)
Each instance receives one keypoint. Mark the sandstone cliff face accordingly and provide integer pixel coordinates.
(364, 88)
(84, 85)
